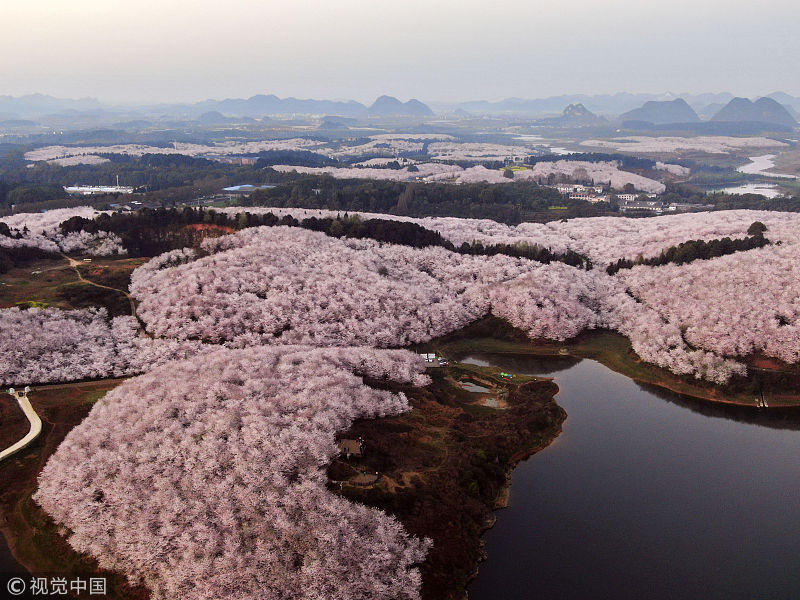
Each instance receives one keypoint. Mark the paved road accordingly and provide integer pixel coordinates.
(33, 433)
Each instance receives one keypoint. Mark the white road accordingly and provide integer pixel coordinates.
(33, 433)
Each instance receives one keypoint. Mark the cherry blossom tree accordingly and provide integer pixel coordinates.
(40, 230)
(50, 345)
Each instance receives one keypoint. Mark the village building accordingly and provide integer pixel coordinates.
(632, 197)
(94, 190)
(653, 206)
(570, 188)
(589, 197)
(432, 360)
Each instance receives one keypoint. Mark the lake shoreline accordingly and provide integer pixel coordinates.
(493, 336)
(445, 466)
(638, 464)
(502, 501)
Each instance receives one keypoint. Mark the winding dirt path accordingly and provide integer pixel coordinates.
(74, 263)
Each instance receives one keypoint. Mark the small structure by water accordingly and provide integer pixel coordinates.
(433, 360)
(474, 387)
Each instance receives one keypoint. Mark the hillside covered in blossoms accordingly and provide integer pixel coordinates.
(204, 479)
(251, 350)
(286, 285)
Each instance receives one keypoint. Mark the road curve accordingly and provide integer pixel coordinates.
(33, 433)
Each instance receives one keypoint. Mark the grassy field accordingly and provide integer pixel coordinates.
(53, 283)
(39, 282)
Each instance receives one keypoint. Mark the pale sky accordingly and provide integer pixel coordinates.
(434, 50)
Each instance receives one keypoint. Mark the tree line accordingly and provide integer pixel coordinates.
(511, 204)
(19, 256)
(148, 232)
(693, 250)
(625, 161)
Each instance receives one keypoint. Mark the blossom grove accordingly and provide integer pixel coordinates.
(212, 463)
(204, 479)
(283, 285)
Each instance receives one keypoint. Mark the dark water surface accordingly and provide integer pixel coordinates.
(646, 495)
(8, 565)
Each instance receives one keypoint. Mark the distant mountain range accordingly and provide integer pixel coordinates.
(581, 110)
(387, 106)
(260, 105)
(40, 104)
(219, 111)
(739, 116)
(604, 104)
(615, 104)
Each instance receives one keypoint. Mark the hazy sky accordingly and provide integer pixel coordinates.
(166, 50)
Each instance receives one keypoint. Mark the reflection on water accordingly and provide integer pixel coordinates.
(524, 365)
(767, 190)
(759, 165)
(646, 496)
(776, 418)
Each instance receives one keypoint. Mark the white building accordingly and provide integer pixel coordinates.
(589, 197)
(653, 206)
(571, 188)
(632, 197)
(577, 188)
(92, 190)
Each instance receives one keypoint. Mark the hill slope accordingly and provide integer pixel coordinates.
(389, 106)
(575, 115)
(763, 110)
(659, 112)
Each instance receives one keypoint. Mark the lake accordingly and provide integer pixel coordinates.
(646, 494)
(768, 190)
(758, 165)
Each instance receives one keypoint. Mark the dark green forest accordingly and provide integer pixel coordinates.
(148, 232)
